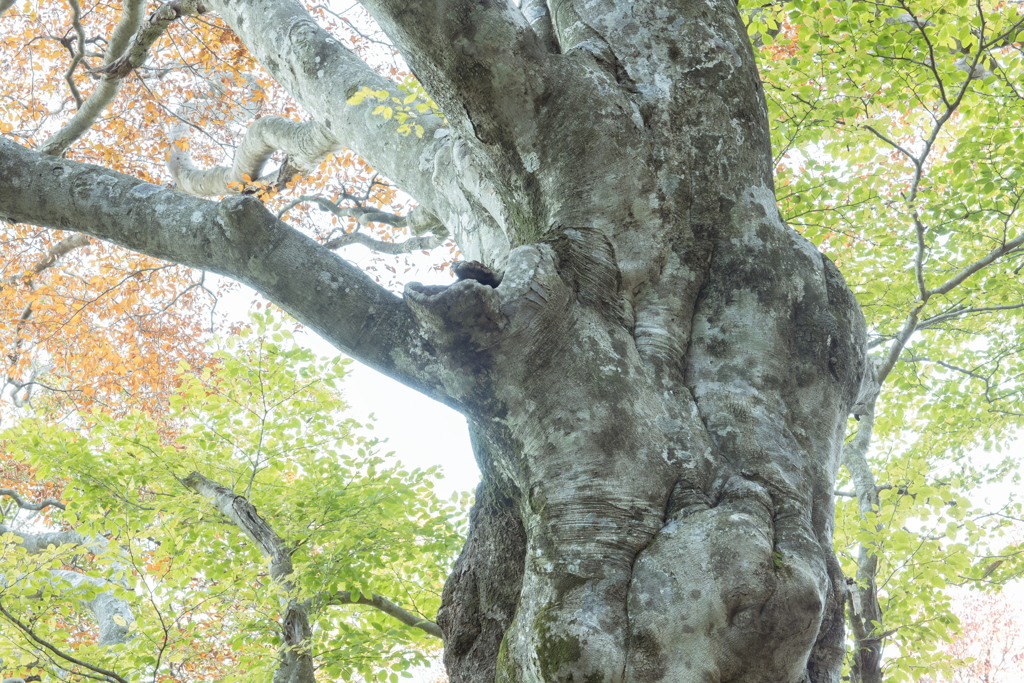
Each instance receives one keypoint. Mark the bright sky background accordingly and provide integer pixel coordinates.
(421, 431)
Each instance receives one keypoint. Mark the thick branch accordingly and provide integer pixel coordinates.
(237, 238)
(538, 15)
(306, 145)
(112, 613)
(296, 658)
(37, 543)
(488, 71)
(321, 74)
(243, 514)
(384, 605)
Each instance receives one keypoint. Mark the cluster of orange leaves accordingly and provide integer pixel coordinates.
(104, 326)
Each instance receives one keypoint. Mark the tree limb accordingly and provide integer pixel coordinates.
(131, 20)
(237, 238)
(162, 17)
(25, 505)
(52, 648)
(321, 74)
(384, 605)
(306, 145)
(495, 105)
(112, 613)
(296, 656)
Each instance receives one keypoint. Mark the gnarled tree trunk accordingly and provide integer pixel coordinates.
(658, 387)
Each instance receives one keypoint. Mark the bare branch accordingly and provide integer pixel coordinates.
(404, 247)
(25, 505)
(384, 605)
(162, 17)
(306, 145)
(131, 19)
(52, 648)
(420, 221)
(78, 52)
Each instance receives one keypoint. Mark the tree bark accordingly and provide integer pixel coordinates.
(658, 387)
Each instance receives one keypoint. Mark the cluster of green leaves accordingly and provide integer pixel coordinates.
(898, 154)
(269, 423)
(405, 110)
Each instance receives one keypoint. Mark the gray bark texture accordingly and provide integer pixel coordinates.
(657, 389)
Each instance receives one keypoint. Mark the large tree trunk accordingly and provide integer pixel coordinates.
(672, 472)
(665, 380)
(658, 388)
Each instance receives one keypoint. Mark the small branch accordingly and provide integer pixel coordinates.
(981, 263)
(894, 145)
(364, 215)
(57, 144)
(960, 312)
(418, 220)
(63, 655)
(162, 17)
(52, 256)
(384, 605)
(405, 247)
(25, 505)
(78, 53)
(51, 259)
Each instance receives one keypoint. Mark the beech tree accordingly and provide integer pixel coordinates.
(656, 370)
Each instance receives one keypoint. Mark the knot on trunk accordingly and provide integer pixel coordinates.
(466, 315)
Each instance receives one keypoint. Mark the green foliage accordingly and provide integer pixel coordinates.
(405, 110)
(898, 153)
(269, 424)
